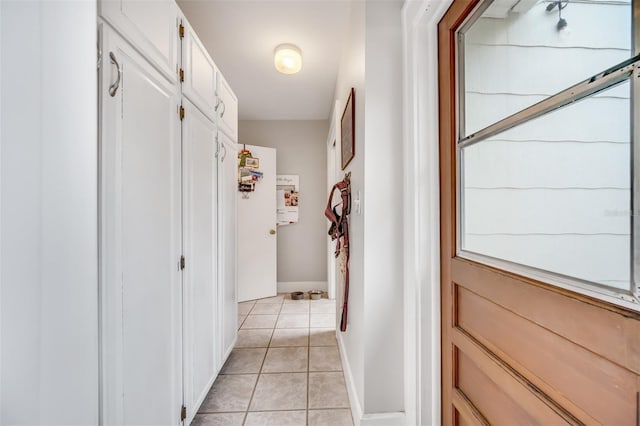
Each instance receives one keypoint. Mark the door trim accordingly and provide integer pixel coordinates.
(421, 221)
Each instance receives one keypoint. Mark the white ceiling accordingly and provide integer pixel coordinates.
(241, 36)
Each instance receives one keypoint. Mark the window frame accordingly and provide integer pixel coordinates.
(617, 74)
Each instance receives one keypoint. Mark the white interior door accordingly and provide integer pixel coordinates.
(257, 240)
(140, 223)
(200, 175)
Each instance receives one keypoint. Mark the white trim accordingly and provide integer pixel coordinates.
(289, 286)
(354, 402)
(421, 211)
(384, 419)
(360, 419)
(332, 177)
(210, 383)
(225, 356)
(331, 262)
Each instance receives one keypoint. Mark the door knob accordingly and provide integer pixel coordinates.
(272, 232)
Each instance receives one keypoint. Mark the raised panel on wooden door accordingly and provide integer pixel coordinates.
(227, 108)
(200, 250)
(531, 332)
(199, 84)
(227, 222)
(141, 300)
(150, 26)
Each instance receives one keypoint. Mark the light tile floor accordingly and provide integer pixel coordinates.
(285, 369)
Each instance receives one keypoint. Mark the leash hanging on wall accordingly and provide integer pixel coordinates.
(339, 231)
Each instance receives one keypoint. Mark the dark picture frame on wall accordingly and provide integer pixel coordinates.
(348, 131)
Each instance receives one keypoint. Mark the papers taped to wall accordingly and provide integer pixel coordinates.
(288, 194)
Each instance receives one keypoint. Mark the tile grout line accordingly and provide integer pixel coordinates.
(246, 414)
(308, 366)
(308, 328)
(255, 386)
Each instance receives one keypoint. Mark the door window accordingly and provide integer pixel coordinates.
(546, 142)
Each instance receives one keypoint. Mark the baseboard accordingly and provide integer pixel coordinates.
(359, 419)
(383, 419)
(356, 409)
(289, 286)
(225, 356)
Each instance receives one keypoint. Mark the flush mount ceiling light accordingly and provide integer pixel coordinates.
(288, 59)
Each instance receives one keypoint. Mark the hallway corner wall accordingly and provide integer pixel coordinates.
(48, 213)
(352, 75)
(373, 345)
(383, 195)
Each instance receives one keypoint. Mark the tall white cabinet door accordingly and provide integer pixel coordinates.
(140, 288)
(151, 26)
(228, 188)
(227, 108)
(200, 186)
(199, 71)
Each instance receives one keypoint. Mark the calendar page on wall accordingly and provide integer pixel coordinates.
(288, 194)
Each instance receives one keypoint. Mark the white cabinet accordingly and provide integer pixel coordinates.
(227, 190)
(200, 189)
(227, 108)
(150, 26)
(140, 240)
(168, 216)
(199, 73)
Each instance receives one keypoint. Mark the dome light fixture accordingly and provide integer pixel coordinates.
(288, 59)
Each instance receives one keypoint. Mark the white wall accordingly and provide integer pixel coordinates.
(373, 346)
(384, 308)
(301, 150)
(352, 74)
(48, 211)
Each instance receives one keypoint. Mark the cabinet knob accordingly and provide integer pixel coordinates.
(272, 232)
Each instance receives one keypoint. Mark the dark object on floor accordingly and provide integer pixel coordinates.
(315, 294)
(297, 295)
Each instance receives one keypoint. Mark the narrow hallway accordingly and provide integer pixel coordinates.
(284, 370)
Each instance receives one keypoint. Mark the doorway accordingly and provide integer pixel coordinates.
(537, 325)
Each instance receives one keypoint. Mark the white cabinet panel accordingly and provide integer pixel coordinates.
(200, 186)
(150, 26)
(227, 190)
(227, 108)
(140, 242)
(199, 84)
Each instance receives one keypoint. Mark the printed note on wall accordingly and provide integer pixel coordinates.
(288, 194)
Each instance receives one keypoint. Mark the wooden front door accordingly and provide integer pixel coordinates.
(519, 350)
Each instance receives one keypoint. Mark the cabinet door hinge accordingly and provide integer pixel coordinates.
(181, 31)
(181, 112)
(181, 73)
(182, 263)
(183, 413)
